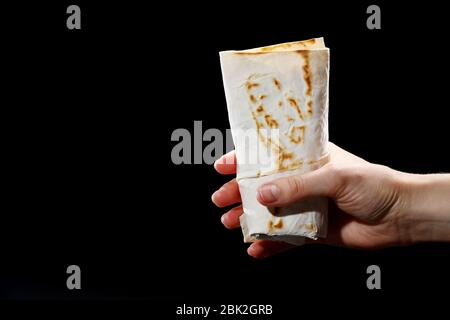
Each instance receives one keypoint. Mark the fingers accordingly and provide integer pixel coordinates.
(266, 248)
(231, 219)
(284, 191)
(227, 195)
(226, 164)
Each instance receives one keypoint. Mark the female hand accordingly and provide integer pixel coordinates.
(371, 206)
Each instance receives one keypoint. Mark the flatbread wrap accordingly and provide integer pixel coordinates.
(277, 101)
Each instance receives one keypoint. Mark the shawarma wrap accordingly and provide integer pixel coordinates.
(277, 100)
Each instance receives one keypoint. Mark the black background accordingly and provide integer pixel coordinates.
(87, 117)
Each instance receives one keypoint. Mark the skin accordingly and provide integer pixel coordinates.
(371, 206)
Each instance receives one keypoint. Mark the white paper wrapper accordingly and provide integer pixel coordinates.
(277, 100)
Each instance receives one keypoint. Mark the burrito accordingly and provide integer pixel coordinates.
(277, 101)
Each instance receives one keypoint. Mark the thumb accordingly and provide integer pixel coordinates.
(284, 191)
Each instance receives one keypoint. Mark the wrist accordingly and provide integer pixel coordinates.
(425, 207)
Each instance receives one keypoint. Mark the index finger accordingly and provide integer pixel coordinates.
(226, 164)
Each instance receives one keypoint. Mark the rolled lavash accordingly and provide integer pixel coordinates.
(277, 100)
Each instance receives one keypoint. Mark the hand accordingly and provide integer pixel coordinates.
(371, 206)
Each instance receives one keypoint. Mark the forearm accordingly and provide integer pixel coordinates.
(426, 207)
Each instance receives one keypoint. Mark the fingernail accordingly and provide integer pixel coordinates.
(269, 192)
(251, 251)
(222, 219)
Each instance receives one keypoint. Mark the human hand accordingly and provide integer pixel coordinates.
(372, 206)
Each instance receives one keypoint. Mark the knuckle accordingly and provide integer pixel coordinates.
(343, 175)
(358, 174)
(338, 177)
(340, 173)
(296, 185)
